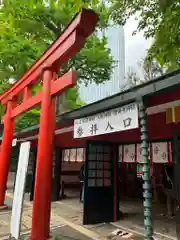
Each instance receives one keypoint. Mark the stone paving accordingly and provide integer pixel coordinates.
(66, 222)
(5, 218)
(71, 210)
(133, 220)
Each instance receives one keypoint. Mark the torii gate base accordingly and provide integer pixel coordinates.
(69, 43)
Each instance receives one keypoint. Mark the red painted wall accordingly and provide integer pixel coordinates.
(164, 98)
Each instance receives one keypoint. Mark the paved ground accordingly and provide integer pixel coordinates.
(58, 226)
(132, 223)
(66, 223)
(63, 232)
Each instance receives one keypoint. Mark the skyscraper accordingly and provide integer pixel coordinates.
(116, 43)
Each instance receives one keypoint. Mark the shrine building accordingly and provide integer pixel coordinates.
(124, 141)
(114, 157)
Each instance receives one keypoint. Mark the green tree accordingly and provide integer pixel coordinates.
(3, 86)
(132, 79)
(159, 19)
(28, 27)
(150, 69)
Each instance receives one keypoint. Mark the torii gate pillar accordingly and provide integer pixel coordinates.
(6, 151)
(47, 66)
(42, 192)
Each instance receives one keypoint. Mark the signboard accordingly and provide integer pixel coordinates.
(160, 152)
(115, 120)
(73, 155)
(14, 142)
(129, 153)
(19, 190)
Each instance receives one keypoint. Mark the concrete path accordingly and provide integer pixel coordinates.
(66, 216)
(59, 227)
(66, 223)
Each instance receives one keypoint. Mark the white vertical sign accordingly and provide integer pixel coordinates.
(19, 190)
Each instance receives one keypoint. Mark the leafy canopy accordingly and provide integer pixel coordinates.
(159, 19)
(29, 27)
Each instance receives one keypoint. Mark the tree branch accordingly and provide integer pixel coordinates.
(73, 64)
(85, 77)
(53, 28)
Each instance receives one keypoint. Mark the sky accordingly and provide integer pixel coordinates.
(135, 46)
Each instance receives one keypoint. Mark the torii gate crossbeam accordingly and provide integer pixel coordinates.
(45, 69)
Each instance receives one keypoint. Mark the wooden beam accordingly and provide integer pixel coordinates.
(70, 42)
(66, 81)
(27, 105)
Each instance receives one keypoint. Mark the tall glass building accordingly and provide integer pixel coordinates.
(116, 43)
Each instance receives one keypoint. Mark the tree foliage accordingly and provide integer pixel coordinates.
(132, 79)
(159, 19)
(28, 119)
(29, 27)
(151, 69)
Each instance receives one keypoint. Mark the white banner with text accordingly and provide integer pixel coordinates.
(115, 120)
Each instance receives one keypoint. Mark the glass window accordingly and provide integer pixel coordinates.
(92, 165)
(92, 157)
(99, 157)
(107, 174)
(107, 182)
(107, 157)
(107, 165)
(99, 182)
(99, 165)
(91, 183)
(99, 173)
(92, 173)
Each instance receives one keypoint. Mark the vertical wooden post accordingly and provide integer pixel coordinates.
(5, 152)
(43, 180)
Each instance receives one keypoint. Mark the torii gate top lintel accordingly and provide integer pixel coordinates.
(67, 44)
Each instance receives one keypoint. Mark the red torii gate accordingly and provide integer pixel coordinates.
(47, 66)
